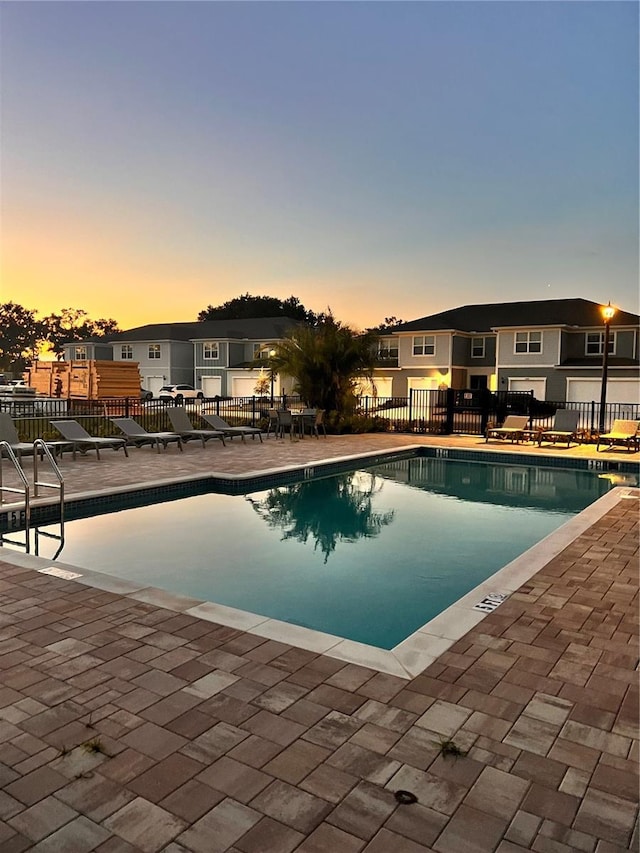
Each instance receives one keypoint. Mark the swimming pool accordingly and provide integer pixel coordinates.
(370, 555)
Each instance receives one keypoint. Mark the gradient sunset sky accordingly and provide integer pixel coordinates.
(377, 158)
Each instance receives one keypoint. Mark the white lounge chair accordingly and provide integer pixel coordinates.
(79, 439)
(138, 435)
(218, 423)
(181, 423)
(513, 428)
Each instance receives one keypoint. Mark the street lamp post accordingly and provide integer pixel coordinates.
(608, 312)
(273, 375)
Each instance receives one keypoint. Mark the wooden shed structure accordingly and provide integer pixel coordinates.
(85, 380)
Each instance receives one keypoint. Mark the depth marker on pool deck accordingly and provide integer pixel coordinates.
(60, 573)
(491, 601)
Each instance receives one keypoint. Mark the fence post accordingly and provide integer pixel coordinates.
(593, 416)
(126, 407)
(448, 424)
(253, 410)
(410, 408)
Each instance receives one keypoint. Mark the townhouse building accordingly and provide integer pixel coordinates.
(553, 347)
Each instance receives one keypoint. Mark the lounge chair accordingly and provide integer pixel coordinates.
(138, 435)
(565, 428)
(218, 423)
(181, 423)
(79, 439)
(622, 432)
(513, 428)
(9, 433)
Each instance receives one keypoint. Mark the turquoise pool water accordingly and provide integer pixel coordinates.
(370, 555)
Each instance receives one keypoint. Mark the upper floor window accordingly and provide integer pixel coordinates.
(80, 353)
(126, 352)
(477, 347)
(528, 342)
(388, 348)
(211, 350)
(154, 350)
(424, 345)
(595, 343)
(260, 351)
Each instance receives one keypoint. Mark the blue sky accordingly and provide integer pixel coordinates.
(380, 159)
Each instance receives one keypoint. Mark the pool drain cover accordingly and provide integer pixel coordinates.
(405, 798)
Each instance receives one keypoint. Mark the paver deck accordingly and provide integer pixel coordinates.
(128, 727)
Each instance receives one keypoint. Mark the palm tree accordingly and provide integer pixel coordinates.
(326, 361)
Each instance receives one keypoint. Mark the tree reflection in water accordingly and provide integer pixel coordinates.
(331, 510)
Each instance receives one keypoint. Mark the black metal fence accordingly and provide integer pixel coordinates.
(439, 412)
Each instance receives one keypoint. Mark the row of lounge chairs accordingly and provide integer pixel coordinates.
(75, 437)
(565, 428)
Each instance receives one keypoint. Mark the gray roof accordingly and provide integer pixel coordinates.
(544, 312)
(255, 328)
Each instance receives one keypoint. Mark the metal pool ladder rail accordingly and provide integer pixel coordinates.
(40, 450)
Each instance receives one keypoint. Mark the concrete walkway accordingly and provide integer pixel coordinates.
(129, 727)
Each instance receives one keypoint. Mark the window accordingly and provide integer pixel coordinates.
(424, 345)
(528, 342)
(477, 347)
(154, 351)
(211, 350)
(80, 353)
(126, 352)
(388, 348)
(595, 343)
(260, 351)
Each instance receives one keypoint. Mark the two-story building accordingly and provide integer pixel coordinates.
(215, 355)
(553, 347)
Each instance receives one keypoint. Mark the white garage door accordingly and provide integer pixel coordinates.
(382, 383)
(535, 384)
(212, 386)
(618, 390)
(153, 383)
(422, 383)
(243, 386)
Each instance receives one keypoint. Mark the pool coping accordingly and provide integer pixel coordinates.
(407, 659)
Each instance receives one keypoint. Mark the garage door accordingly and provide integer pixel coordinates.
(422, 383)
(243, 386)
(382, 383)
(618, 390)
(535, 384)
(212, 386)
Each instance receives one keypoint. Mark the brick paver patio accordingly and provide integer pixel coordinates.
(128, 727)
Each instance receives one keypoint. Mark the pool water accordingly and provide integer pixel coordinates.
(370, 555)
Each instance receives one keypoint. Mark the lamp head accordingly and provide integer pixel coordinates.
(608, 312)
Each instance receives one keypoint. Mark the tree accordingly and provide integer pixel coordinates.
(248, 306)
(74, 324)
(20, 336)
(326, 361)
(387, 325)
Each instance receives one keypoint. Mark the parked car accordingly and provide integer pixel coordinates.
(146, 395)
(179, 393)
